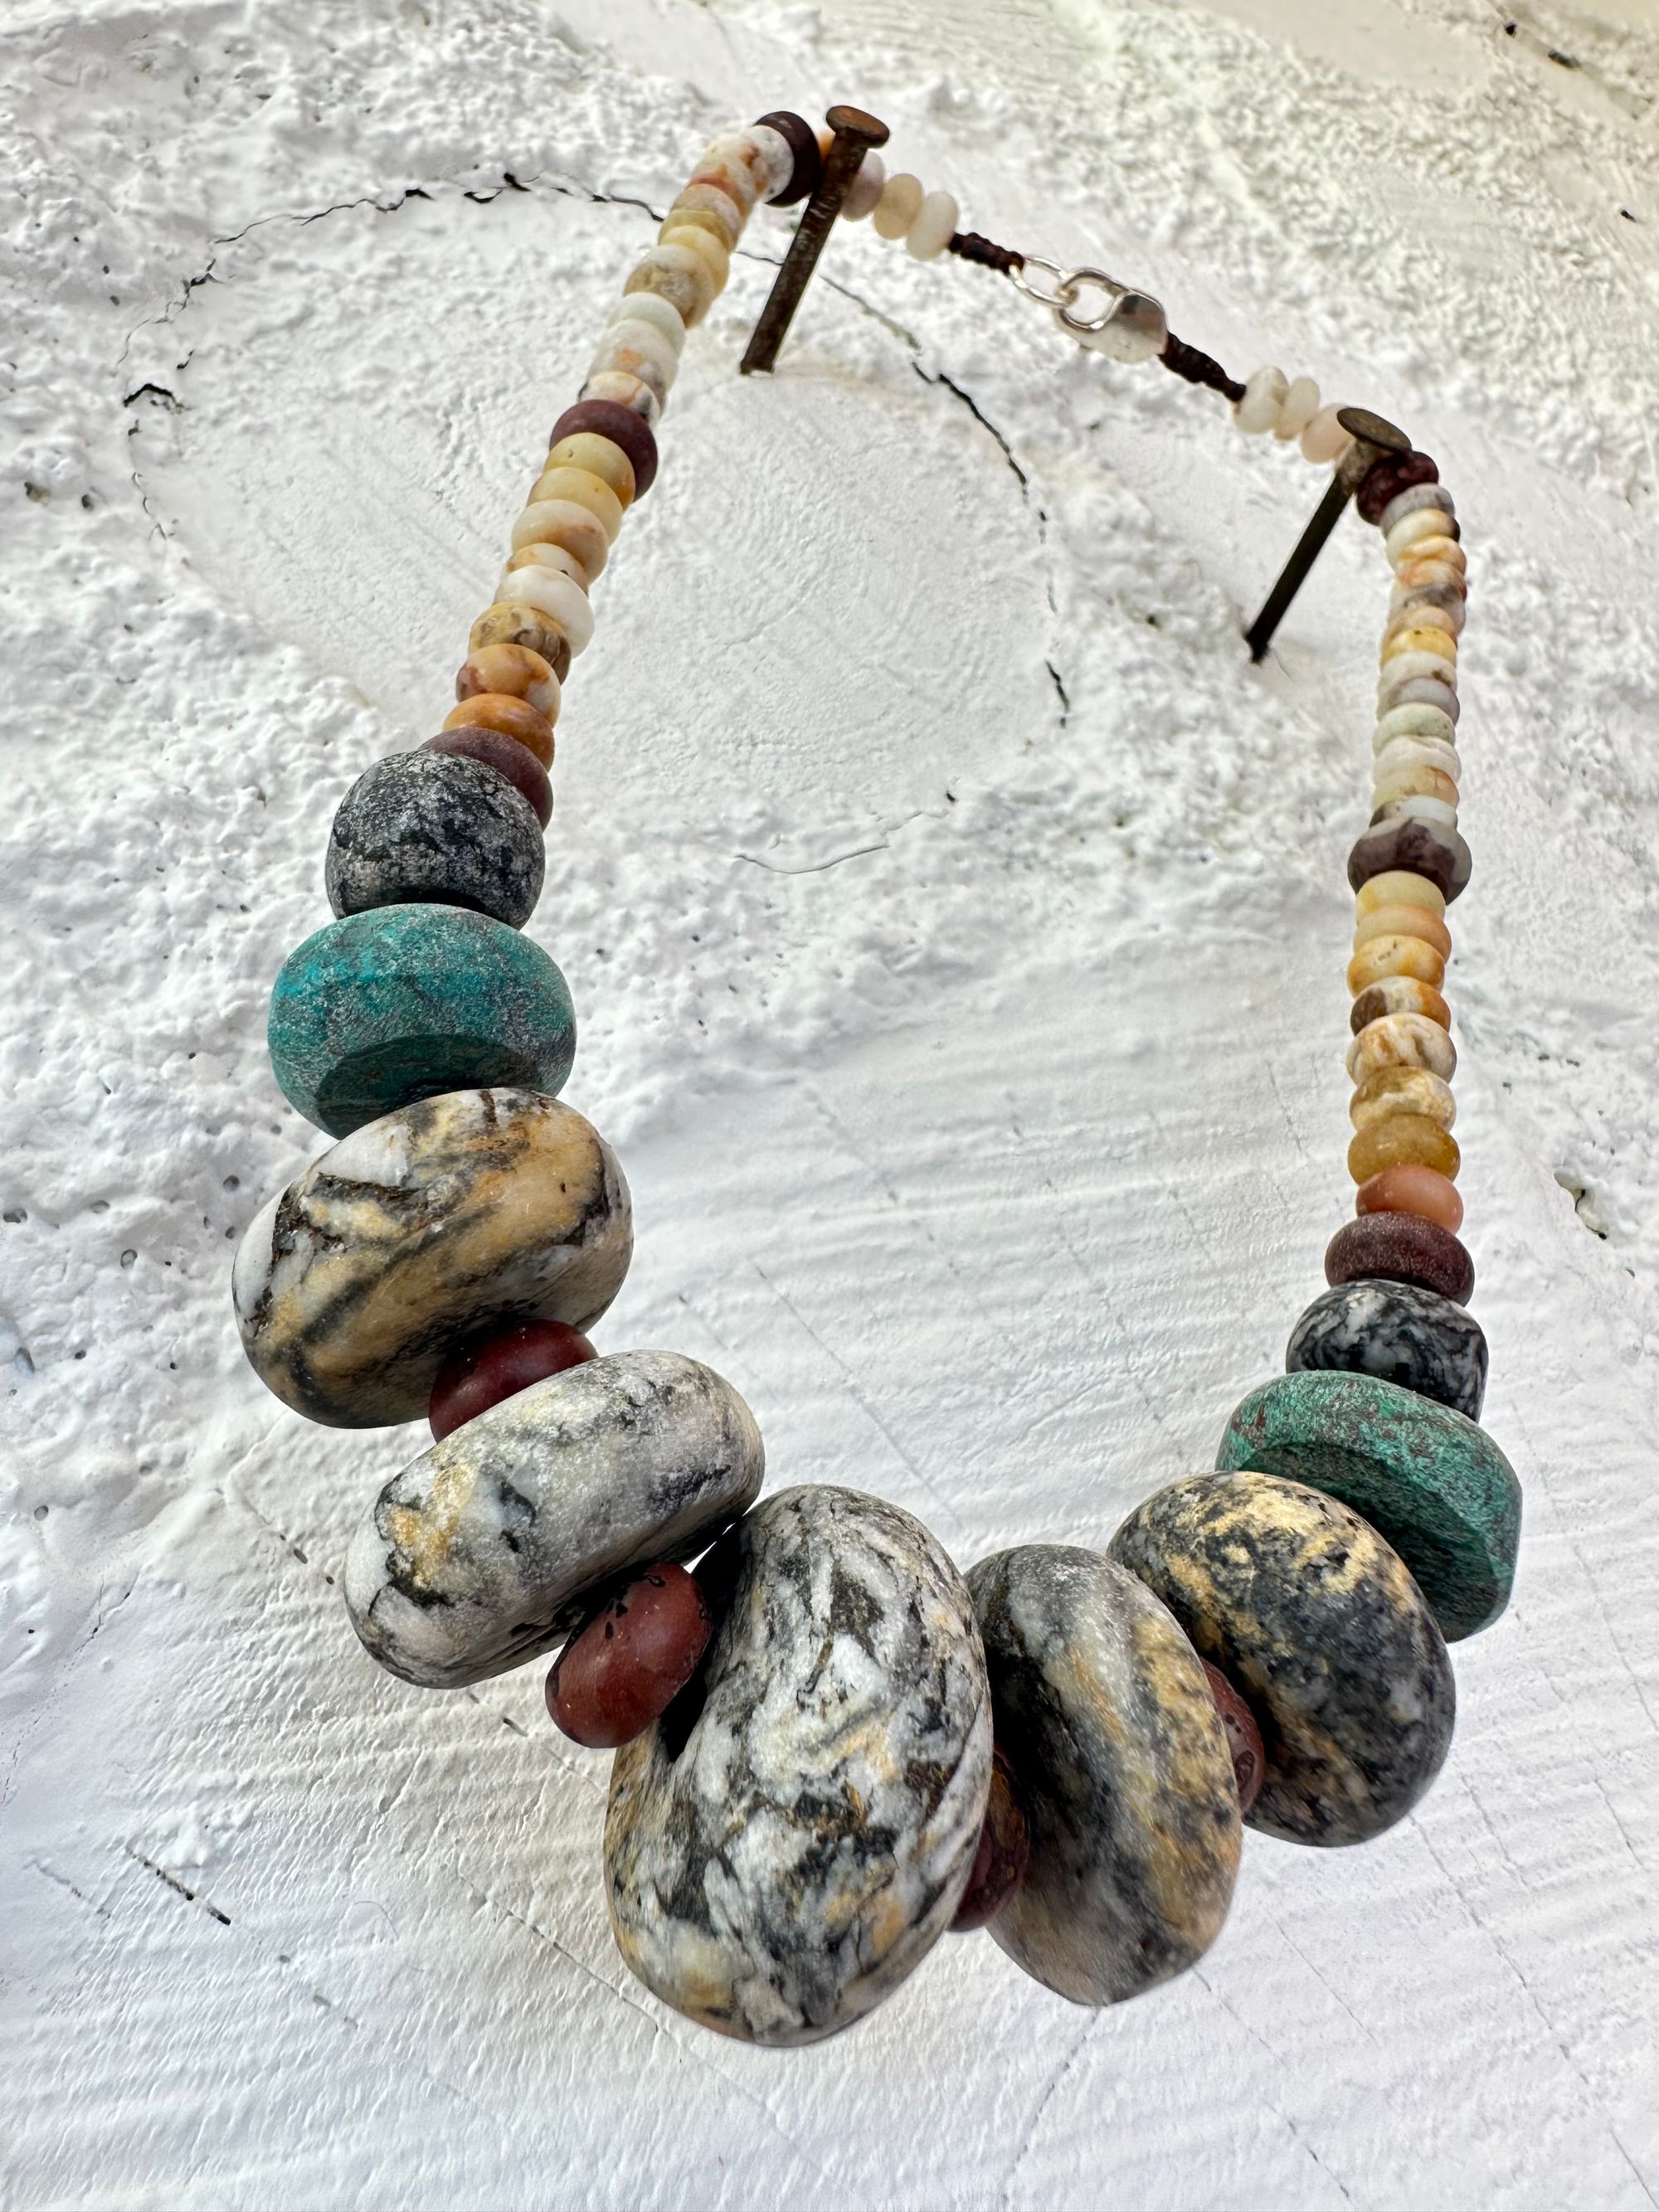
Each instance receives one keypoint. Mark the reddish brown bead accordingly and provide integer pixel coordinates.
(804, 145)
(625, 1667)
(1400, 1247)
(1004, 1851)
(488, 1368)
(507, 756)
(1387, 477)
(1422, 848)
(609, 419)
(1243, 1737)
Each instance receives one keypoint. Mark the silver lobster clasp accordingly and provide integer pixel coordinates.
(1128, 326)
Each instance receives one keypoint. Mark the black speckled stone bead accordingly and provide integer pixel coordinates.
(435, 829)
(1407, 1335)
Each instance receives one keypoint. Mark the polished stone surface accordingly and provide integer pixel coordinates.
(1406, 1334)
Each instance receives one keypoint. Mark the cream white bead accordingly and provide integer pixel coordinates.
(1325, 439)
(1297, 409)
(1265, 393)
(551, 594)
(651, 307)
(776, 155)
(627, 392)
(1425, 522)
(934, 227)
(1423, 810)
(1404, 753)
(540, 555)
(1404, 666)
(1414, 722)
(638, 349)
(899, 205)
(866, 189)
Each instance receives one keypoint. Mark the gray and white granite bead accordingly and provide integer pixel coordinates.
(436, 829)
(1102, 1710)
(353, 1284)
(784, 1845)
(1407, 1335)
(488, 1548)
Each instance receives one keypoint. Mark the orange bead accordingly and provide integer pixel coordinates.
(1403, 1140)
(1408, 1188)
(1398, 994)
(514, 718)
(1403, 921)
(1395, 956)
(513, 669)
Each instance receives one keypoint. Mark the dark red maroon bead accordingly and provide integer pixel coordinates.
(1003, 1853)
(488, 1368)
(804, 145)
(1400, 1247)
(1388, 477)
(625, 1666)
(1418, 849)
(609, 419)
(1243, 1736)
(505, 756)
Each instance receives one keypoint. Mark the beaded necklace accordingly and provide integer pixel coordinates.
(831, 1746)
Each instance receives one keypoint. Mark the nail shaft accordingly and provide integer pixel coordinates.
(855, 133)
(1372, 438)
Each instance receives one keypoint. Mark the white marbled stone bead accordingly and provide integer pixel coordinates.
(651, 307)
(486, 1551)
(1298, 409)
(1420, 809)
(1265, 393)
(1325, 439)
(637, 350)
(353, 1284)
(789, 1840)
(866, 189)
(933, 228)
(624, 390)
(552, 594)
(1417, 721)
(1401, 1041)
(1412, 500)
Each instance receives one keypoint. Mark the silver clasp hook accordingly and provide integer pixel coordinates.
(1130, 326)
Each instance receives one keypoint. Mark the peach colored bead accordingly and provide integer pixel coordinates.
(562, 601)
(562, 522)
(704, 198)
(588, 450)
(736, 165)
(512, 717)
(1416, 752)
(582, 488)
(1394, 956)
(1399, 887)
(1403, 921)
(1401, 1041)
(515, 670)
(1404, 1140)
(624, 390)
(1402, 1090)
(1413, 575)
(635, 350)
(715, 253)
(899, 205)
(1398, 994)
(1448, 552)
(543, 555)
(683, 277)
(506, 624)
(1426, 637)
(1325, 439)
(1414, 779)
(1412, 1189)
(1423, 522)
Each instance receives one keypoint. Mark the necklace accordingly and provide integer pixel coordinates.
(831, 1746)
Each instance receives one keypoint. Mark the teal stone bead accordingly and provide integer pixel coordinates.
(407, 1002)
(1430, 1481)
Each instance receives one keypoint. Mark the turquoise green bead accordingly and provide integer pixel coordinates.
(407, 1002)
(1428, 1479)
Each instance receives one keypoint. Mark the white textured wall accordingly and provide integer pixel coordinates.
(977, 1062)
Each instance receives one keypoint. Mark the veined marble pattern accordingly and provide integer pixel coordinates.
(793, 1836)
(1102, 1710)
(488, 1548)
(1322, 1630)
(1406, 1334)
(353, 1283)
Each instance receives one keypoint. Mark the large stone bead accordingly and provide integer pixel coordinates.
(793, 1834)
(489, 1548)
(1320, 1627)
(433, 828)
(1101, 1708)
(353, 1284)
(1409, 1336)
(406, 1002)
(1435, 1486)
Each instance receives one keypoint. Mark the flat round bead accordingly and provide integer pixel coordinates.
(1402, 1137)
(1123, 1770)
(407, 1002)
(582, 488)
(866, 189)
(651, 307)
(899, 205)
(933, 228)
(806, 162)
(683, 277)
(1402, 754)
(624, 391)
(1320, 1627)
(511, 670)
(625, 1667)
(1448, 552)
(1298, 409)
(783, 1846)
(1389, 476)
(711, 250)
(1421, 922)
(1399, 887)
(1401, 1040)
(1243, 1737)
(1325, 439)
(1412, 501)
(1003, 1853)
(1398, 994)
(1422, 522)
(1418, 614)
(1430, 640)
(509, 717)
(773, 158)
(563, 522)
(1432, 1483)
(493, 1545)
(1265, 392)
(1391, 1091)
(351, 1284)
(1394, 956)
(1411, 1189)
(708, 198)
(760, 155)
(1408, 690)
(543, 553)
(1413, 779)
(730, 165)
(507, 757)
(1416, 807)
(499, 1363)
(559, 599)
(1419, 572)
(1413, 1337)
(1419, 848)
(1413, 720)
(508, 624)
(1401, 1247)
(1450, 600)
(597, 457)
(1402, 666)
(621, 426)
(421, 826)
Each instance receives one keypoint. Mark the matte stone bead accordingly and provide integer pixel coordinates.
(797, 1831)
(1423, 847)
(1411, 1337)
(633, 392)
(1395, 955)
(1393, 1091)
(626, 1667)
(427, 826)
(562, 481)
(1401, 687)
(684, 278)
(603, 457)
(1402, 1137)
(511, 671)
(494, 1545)
(1418, 922)
(1243, 1737)
(1398, 887)
(802, 142)
(623, 427)
(1388, 477)
(1306, 1610)
(378, 1009)
(507, 756)
(1415, 497)
(1434, 1485)
(1101, 1707)
(1409, 1189)
(498, 1364)
(1003, 1853)
(1401, 1040)
(484, 1206)
(1398, 994)
(1403, 1248)
(523, 625)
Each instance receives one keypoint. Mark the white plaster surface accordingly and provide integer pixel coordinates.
(958, 925)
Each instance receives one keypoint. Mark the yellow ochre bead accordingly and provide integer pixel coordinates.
(1403, 1140)
(1394, 956)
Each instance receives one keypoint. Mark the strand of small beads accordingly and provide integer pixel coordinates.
(831, 1746)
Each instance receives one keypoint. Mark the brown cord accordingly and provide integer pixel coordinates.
(972, 247)
(1198, 368)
